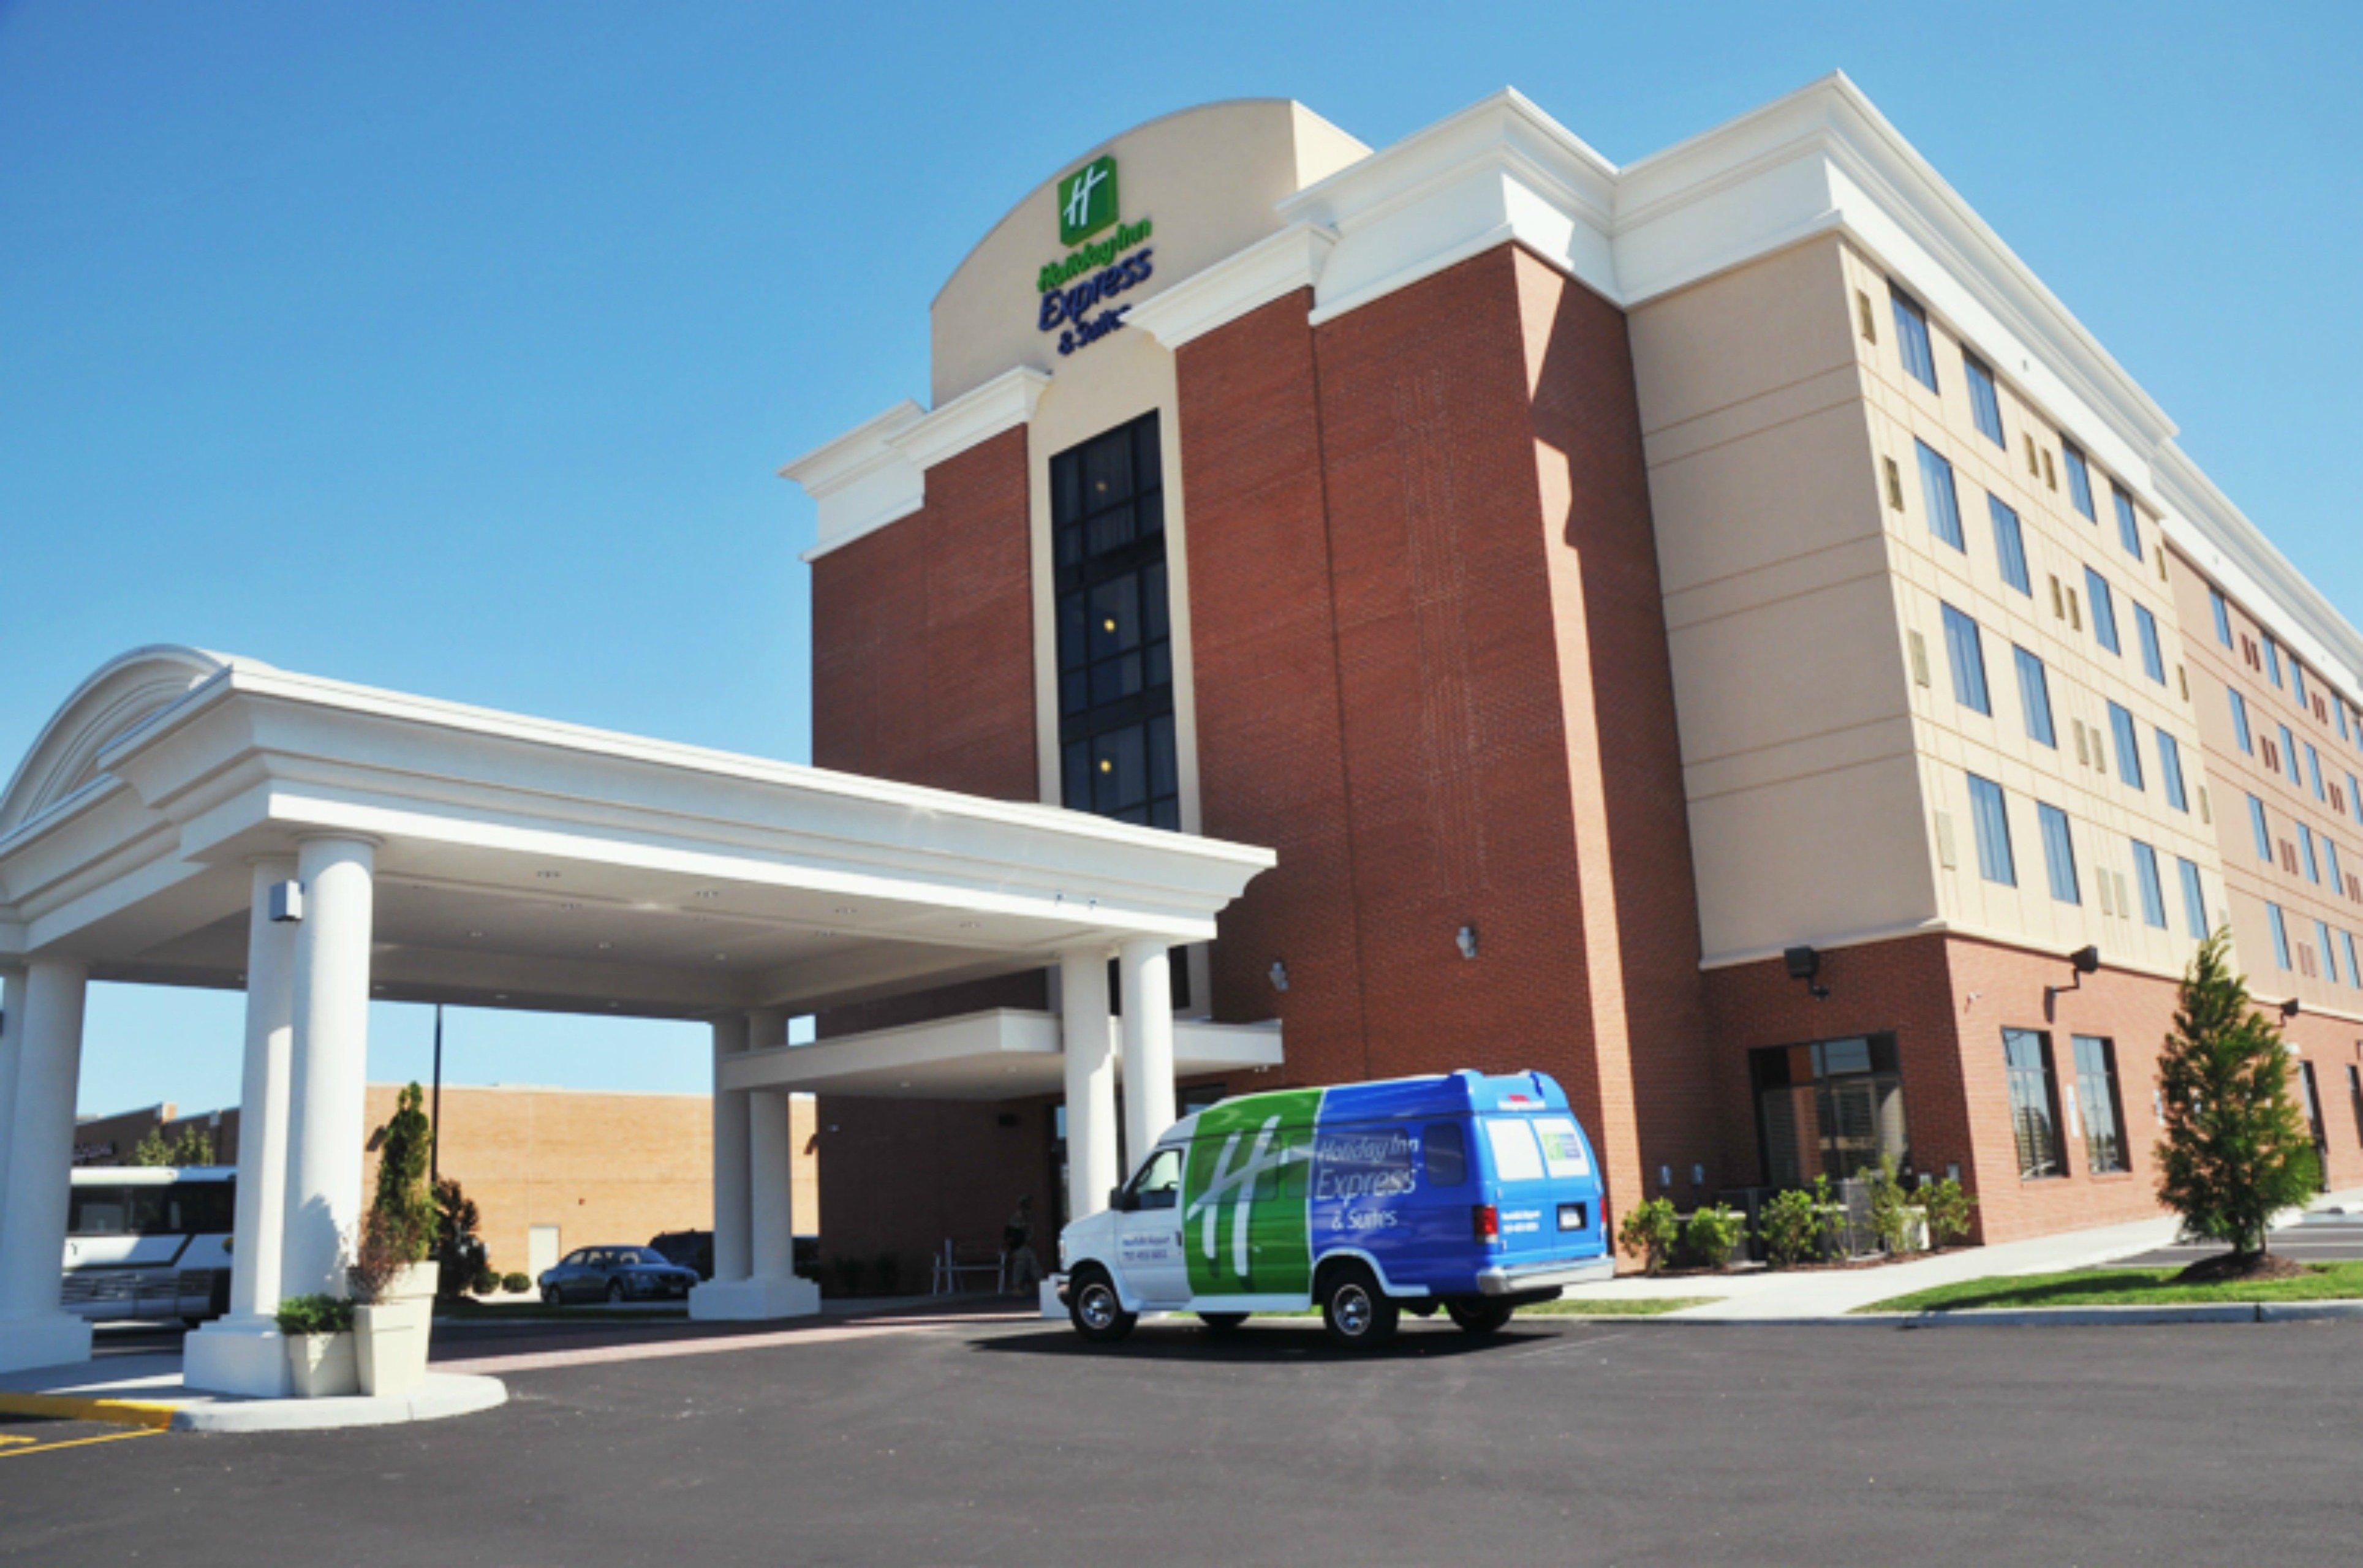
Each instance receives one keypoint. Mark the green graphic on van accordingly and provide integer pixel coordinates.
(1087, 201)
(1243, 1219)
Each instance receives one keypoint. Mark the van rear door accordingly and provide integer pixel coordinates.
(1544, 1186)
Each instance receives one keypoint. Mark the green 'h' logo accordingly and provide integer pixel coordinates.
(1087, 201)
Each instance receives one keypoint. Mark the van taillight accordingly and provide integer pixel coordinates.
(1485, 1220)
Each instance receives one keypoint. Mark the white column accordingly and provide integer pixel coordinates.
(12, 1034)
(47, 1038)
(754, 1163)
(242, 1353)
(1145, 970)
(732, 1243)
(327, 1074)
(1091, 1082)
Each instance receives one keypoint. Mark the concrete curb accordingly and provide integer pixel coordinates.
(71, 1408)
(2024, 1317)
(441, 1395)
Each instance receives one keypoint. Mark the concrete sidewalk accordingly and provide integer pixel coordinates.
(1791, 1295)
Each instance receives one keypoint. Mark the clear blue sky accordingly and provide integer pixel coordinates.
(453, 348)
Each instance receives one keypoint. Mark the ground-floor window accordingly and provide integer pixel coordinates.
(2033, 1103)
(2097, 1100)
(1832, 1108)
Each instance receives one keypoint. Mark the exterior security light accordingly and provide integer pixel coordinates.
(1804, 963)
(2289, 1007)
(2086, 960)
(287, 902)
(1466, 937)
(1279, 976)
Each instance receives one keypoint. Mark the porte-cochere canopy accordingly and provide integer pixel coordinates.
(431, 851)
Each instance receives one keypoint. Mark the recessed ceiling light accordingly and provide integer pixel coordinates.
(500, 995)
(548, 876)
(614, 1005)
(708, 893)
(845, 909)
(968, 925)
(722, 958)
(570, 905)
(604, 946)
(475, 936)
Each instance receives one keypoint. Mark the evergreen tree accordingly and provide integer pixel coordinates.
(2237, 1148)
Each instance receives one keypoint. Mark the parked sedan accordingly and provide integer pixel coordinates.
(615, 1273)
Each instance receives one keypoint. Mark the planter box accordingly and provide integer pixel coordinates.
(391, 1345)
(322, 1365)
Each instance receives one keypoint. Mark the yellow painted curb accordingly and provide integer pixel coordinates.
(116, 1412)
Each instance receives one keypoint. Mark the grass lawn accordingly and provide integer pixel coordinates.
(1615, 1306)
(2123, 1288)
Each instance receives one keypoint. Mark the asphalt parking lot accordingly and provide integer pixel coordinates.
(1561, 1443)
(2319, 1239)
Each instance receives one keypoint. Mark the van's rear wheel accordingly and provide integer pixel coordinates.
(1480, 1316)
(1222, 1322)
(1095, 1309)
(1353, 1310)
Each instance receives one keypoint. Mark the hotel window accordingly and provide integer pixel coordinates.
(2240, 721)
(1969, 661)
(2340, 706)
(1985, 403)
(2297, 680)
(2306, 854)
(2330, 865)
(2059, 854)
(2096, 1096)
(2280, 934)
(1944, 504)
(2035, 698)
(2153, 894)
(2314, 772)
(1115, 661)
(2355, 798)
(2146, 631)
(2104, 610)
(2222, 616)
(2129, 524)
(2289, 753)
(2329, 952)
(1911, 338)
(2033, 1102)
(2079, 479)
(2170, 771)
(2121, 727)
(2010, 546)
(2194, 900)
(2354, 974)
(1834, 1109)
(2273, 661)
(1990, 817)
(2263, 833)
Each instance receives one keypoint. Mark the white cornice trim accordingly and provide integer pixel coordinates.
(1249, 278)
(877, 472)
(975, 417)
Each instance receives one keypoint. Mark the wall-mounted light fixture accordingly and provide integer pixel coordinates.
(2289, 1008)
(1279, 976)
(1804, 963)
(1466, 939)
(2085, 960)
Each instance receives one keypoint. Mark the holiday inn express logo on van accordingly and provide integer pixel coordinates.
(1087, 201)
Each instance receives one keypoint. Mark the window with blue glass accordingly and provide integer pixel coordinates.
(1115, 661)
(2355, 798)
(2240, 721)
(2297, 680)
(2010, 546)
(2079, 479)
(2121, 726)
(2313, 773)
(1985, 402)
(2128, 522)
(1911, 338)
(1991, 819)
(2274, 918)
(1944, 504)
(2329, 952)
(2273, 660)
(2104, 609)
(2169, 770)
(2305, 853)
(2035, 698)
(2262, 828)
(1969, 660)
(2288, 754)
(2153, 894)
(2194, 899)
(2354, 977)
(2059, 854)
(2222, 616)
(2330, 864)
(2339, 708)
(2146, 633)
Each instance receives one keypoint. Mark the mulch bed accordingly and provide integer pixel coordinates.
(2228, 1267)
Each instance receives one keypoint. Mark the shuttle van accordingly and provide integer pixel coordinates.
(1470, 1192)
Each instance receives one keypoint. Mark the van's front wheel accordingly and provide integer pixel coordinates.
(1095, 1309)
(1479, 1316)
(1354, 1311)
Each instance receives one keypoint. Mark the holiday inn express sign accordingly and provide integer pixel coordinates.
(1094, 270)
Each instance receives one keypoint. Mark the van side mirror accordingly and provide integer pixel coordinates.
(1119, 1200)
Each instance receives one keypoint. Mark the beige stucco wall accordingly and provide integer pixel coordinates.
(1208, 178)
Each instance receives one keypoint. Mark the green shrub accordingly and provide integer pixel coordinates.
(485, 1283)
(848, 1272)
(301, 1314)
(889, 1270)
(1892, 1209)
(1710, 1235)
(1649, 1233)
(1791, 1224)
(516, 1284)
(1949, 1205)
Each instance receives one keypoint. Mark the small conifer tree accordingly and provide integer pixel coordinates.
(2237, 1148)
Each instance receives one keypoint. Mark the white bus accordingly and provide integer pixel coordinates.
(149, 1242)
